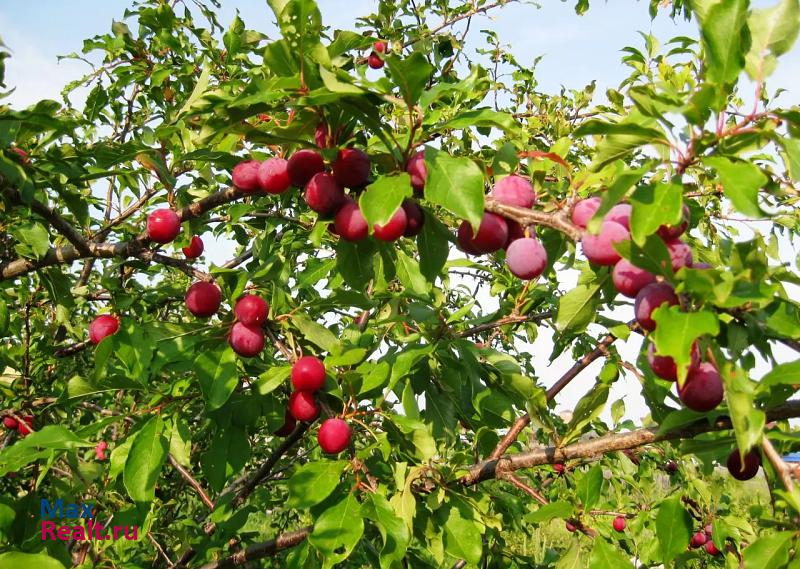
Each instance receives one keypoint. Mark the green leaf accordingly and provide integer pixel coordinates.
(17, 559)
(673, 528)
(623, 181)
(725, 40)
(587, 410)
(393, 530)
(791, 155)
(227, 454)
(621, 138)
(433, 246)
(561, 510)
(408, 271)
(455, 183)
(34, 235)
(773, 31)
(571, 559)
(578, 307)
(653, 256)
(384, 197)
(770, 550)
(145, 459)
(599, 127)
(217, 374)
(480, 117)
(410, 74)
(606, 556)
(198, 91)
(315, 333)
(354, 262)
(741, 182)
(271, 379)
(37, 445)
(676, 331)
(337, 531)
(590, 487)
(783, 374)
(748, 420)
(653, 206)
(313, 482)
(462, 537)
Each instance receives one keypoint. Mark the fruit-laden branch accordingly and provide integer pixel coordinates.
(490, 469)
(133, 248)
(504, 467)
(261, 550)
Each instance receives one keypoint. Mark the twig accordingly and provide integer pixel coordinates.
(191, 480)
(778, 464)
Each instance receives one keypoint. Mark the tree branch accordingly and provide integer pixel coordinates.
(504, 321)
(557, 220)
(555, 389)
(261, 550)
(778, 464)
(68, 254)
(617, 442)
(192, 482)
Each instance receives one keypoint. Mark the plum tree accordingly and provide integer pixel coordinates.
(251, 310)
(163, 225)
(203, 299)
(334, 436)
(452, 406)
(101, 327)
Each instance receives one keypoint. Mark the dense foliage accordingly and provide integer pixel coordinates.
(192, 416)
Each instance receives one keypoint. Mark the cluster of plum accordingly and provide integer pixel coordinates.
(703, 538)
(324, 191)
(702, 391)
(22, 427)
(375, 61)
(308, 377)
(526, 257)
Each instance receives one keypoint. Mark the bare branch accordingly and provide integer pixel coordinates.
(261, 550)
(192, 482)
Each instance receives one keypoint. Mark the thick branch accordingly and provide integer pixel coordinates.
(261, 550)
(59, 223)
(617, 442)
(557, 220)
(68, 254)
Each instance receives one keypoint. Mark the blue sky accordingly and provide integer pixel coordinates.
(576, 51)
